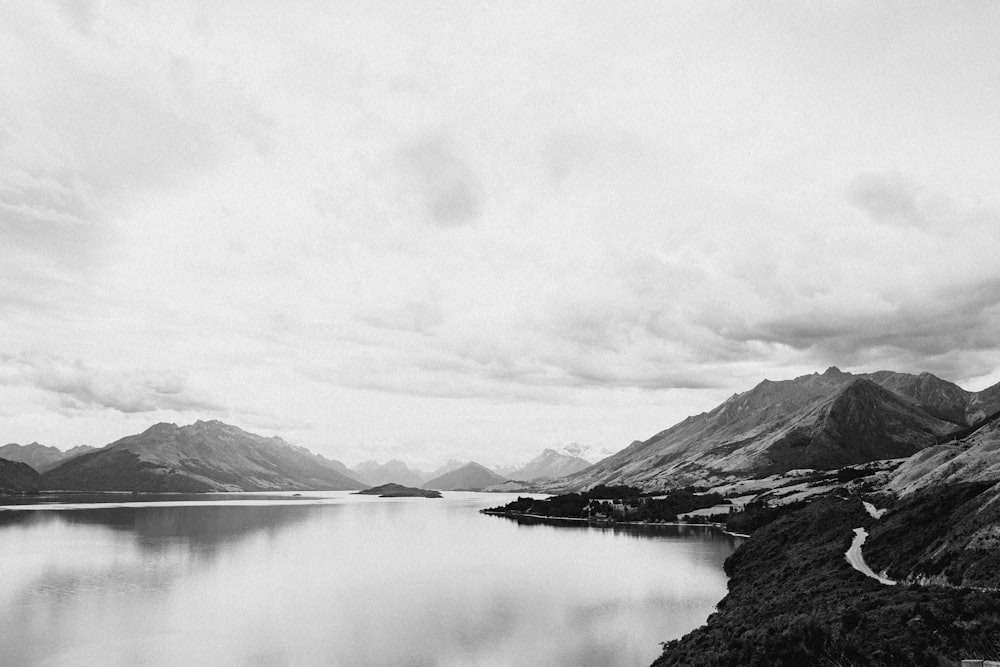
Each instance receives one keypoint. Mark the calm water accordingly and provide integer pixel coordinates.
(336, 579)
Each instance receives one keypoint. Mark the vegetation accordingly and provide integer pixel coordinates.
(950, 534)
(794, 601)
(619, 503)
(755, 515)
(393, 490)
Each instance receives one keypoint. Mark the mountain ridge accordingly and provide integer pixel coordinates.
(204, 456)
(822, 420)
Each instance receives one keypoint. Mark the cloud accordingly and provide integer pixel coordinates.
(887, 197)
(78, 385)
(445, 182)
(98, 122)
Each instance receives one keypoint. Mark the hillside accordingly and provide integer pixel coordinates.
(17, 477)
(549, 463)
(821, 421)
(204, 456)
(794, 600)
(470, 477)
(40, 457)
(975, 458)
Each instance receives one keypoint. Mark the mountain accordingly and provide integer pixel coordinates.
(17, 477)
(549, 463)
(823, 421)
(376, 474)
(40, 457)
(589, 453)
(204, 456)
(470, 477)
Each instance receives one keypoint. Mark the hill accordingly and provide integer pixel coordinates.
(470, 477)
(549, 463)
(204, 456)
(820, 421)
(17, 477)
(40, 457)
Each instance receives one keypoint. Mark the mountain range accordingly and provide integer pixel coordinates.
(204, 456)
(821, 421)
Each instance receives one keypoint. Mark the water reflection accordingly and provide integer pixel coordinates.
(344, 581)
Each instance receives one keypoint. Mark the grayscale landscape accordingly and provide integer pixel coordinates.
(499, 334)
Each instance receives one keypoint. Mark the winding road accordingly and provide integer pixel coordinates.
(854, 555)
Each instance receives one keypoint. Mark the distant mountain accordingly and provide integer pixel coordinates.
(470, 477)
(17, 477)
(204, 456)
(376, 474)
(589, 453)
(824, 421)
(549, 463)
(452, 464)
(40, 457)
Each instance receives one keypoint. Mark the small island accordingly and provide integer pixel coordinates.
(392, 490)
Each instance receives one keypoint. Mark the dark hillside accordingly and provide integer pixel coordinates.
(794, 601)
(17, 477)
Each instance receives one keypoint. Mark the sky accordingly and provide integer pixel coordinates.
(430, 230)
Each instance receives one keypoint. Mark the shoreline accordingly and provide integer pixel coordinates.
(606, 524)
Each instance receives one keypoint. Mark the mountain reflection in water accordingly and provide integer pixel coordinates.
(344, 580)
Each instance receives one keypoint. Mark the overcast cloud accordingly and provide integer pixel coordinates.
(474, 230)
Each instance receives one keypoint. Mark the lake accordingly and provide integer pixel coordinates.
(340, 579)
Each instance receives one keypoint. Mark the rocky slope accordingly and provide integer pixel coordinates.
(40, 457)
(204, 456)
(17, 477)
(470, 477)
(823, 421)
